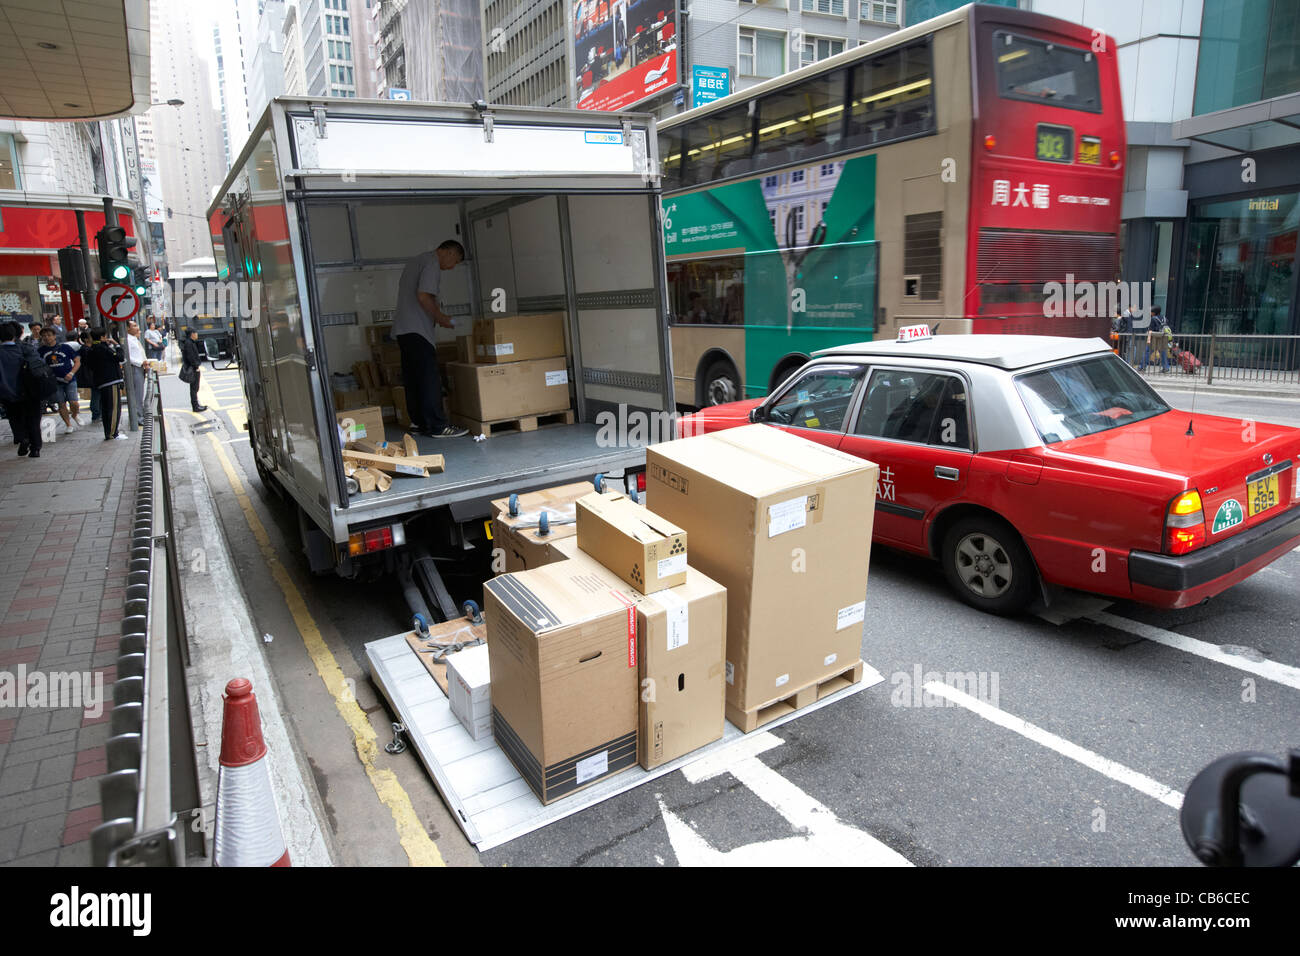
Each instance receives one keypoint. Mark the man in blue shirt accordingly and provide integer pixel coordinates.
(64, 361)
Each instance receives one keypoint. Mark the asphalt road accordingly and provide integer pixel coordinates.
(1069, 742)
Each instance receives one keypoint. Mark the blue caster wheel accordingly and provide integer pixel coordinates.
(599, 482)
(472, 612)
(421, 625)
(543, 525)
(514, 506)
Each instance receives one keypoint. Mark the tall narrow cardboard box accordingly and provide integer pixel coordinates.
(785, 525)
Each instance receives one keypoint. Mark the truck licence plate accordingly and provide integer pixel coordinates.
(1261, 495)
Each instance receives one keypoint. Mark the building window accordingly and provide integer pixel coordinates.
(762, 52)
(828, 169)
(10, 174)
(769, 182)
(879, 11)
(834, 7)
(819, 48)
(1247, 52)
(796, 176)
(797, 217)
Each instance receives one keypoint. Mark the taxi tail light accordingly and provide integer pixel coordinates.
(1185, 524)
(376, 539)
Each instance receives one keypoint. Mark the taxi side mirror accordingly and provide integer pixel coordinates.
(757, 414)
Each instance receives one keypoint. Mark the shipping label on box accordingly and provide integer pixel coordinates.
(518, 338)
(644, 549)
(563, 674)
(785, 525)
(489, 393)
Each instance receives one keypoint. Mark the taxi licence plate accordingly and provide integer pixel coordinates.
(1261, 495)
(1090, 151)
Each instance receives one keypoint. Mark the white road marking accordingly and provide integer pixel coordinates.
(822, 840)
(1093, 761)
(1270, 670)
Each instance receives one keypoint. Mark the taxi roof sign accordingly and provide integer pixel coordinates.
(912, 333)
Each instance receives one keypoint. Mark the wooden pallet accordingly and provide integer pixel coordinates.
(749, 720)
(525, 423)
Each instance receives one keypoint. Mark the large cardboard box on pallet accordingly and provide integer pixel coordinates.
(488, 393)
(563, 656)
(644, 549)
(785, 525)
(681, 646)
(518, 537)
(518, 338)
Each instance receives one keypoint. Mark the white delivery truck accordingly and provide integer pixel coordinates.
(558, 211)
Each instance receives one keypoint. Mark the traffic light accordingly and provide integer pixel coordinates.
(140, 281)
(112, 244)
(72, 270)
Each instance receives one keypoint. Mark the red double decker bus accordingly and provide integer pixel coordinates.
(966, 170)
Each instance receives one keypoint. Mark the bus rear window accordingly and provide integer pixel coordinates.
(1040, 72)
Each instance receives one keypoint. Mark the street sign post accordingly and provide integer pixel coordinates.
(117, 302)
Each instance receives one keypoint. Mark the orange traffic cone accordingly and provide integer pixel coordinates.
(248, 826)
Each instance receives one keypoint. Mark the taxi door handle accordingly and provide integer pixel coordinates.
(947, 474)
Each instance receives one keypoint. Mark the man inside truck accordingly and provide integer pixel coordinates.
(414, 326)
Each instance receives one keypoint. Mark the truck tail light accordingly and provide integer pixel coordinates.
(640, 481)
(376, 539)
(990, 142)
(1185, 524)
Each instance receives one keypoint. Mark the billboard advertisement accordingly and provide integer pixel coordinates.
(624, 51)
(153, 203)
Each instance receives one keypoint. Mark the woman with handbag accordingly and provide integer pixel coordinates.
(191, 360)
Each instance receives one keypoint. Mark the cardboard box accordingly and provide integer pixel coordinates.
(563, 659)
(391, 374)
(644, 549)
(379, 335)
(681, 647)
(523, 547)
(367, 422)
(387, 354)
(445, 352)
(402, 416)
(352, 399)
(519, 338)
(488, 393)
(465, 349)
(785, 525)
(379, 396)
(469, 681)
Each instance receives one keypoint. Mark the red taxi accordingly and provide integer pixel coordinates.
(1027, 463)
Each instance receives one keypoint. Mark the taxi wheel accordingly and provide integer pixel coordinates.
(988, 565)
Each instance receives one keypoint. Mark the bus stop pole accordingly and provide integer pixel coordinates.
(132, 411)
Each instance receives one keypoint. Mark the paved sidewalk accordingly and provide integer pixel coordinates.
(64, 538)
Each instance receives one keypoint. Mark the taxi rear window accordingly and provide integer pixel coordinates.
(1081, 398)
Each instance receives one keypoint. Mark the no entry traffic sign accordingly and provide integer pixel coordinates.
(117, 302)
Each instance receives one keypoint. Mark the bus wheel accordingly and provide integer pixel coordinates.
(721, 383)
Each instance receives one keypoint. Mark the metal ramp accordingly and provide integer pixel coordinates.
(482, 788)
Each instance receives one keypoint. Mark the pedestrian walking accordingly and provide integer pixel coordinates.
(84, 377)
(105, 361)
(153, 342)
(64, 361)
(134, 369)
(21, 403)
(1159, 337)
(414, 326)
(191, 360)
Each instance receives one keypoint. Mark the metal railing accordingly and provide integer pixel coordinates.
(149, 796)
(1212, 357)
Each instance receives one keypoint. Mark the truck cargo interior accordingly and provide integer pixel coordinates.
(525, 255)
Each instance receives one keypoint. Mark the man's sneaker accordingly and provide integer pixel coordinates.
(69, 428)
(23, 449)
(120, 438)
(33, 454)
(451, 431)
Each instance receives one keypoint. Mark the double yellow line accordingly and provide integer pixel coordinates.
(420, 849)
